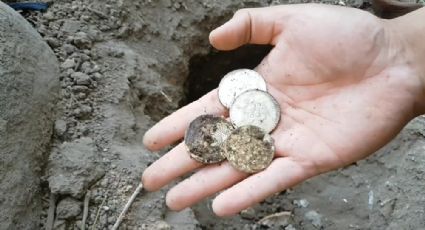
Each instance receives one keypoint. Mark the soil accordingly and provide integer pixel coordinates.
(126, 64)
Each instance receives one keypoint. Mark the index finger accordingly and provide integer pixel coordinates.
(172, 128)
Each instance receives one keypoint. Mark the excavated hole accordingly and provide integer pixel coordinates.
(205, 72)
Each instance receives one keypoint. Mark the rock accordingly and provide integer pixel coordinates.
(68, 208)
(73, 168)
(303, 203)
(277, 220)
(29, 84)
(53, 42)
(81, 78)
(314, 218)
(71, 26)
(82, 40)
(248, 214)
(68, 63)
(60, 127)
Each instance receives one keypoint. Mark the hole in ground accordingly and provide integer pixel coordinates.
(205, 72)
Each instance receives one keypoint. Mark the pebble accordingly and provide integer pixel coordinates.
(81, 78)
(82, 40)
(60, 127)
(68, 208)
(314, 218)
(303, 203)
(68, 63)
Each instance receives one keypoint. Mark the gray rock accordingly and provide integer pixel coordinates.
(29, 74)
(314, 218)
(81, 78)
(68, 63)
(60, 127)
(248, 214)
(68, 208)
(73, 168)
(82, 40)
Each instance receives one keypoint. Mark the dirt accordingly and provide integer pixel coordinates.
(125, 65)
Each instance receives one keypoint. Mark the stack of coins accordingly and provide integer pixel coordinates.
(244, 141)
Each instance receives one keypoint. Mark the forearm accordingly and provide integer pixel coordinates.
(410, 28)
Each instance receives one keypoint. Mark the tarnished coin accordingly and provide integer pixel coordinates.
(205, 138)
(255, 107)
(237, 82)
(249, 149)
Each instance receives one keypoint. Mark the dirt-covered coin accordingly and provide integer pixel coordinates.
(249, 149)
(205, 138)
(255, 107)
(238, 81)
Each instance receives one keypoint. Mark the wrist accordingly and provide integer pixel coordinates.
(409, 34)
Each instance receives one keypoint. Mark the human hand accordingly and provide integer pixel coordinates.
(344, 86)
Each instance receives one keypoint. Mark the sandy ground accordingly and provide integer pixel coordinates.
(126, 64)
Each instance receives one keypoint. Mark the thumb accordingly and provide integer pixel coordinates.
(248, 26)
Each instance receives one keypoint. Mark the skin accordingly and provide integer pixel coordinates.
(347, 83)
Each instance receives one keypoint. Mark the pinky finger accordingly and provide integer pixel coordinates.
(283, 173)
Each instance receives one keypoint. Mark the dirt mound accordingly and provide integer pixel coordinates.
(125, 65)
(28, 90)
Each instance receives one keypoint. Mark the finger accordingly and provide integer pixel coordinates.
(175, 163)
(283, 173)
(253, 26)
(172, 128)
(204, 183)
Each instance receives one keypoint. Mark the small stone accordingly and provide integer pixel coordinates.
(68, 63)
(60, 127)
(248, 214)
(68, 48)
(205, 136)
(82, 40)
(303, 203)
(68, 208)
(81, 78)
(249, 149)
(53, 42)
(314, 218)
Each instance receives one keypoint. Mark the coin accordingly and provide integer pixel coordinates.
(249, 149)
(255, 107)
(205, 137)
(238, 81)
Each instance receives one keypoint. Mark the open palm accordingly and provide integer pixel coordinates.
(344, 88)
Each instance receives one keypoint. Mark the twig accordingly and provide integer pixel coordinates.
(51, 212)
(98, 213)
(127, 206)
(85, 210)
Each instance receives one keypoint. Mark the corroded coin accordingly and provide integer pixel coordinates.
(205, 138)
(255, 107)
(249, 149)
(237, 82)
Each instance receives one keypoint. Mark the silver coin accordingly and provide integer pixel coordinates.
(249, 149)
(205, 138)
(238, 81)
(257, 108)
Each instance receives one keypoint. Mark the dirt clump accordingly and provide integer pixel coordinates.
(28, 92)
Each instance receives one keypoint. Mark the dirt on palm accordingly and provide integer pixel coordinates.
(126, 64)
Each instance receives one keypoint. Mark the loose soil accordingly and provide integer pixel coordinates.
(126, 64)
